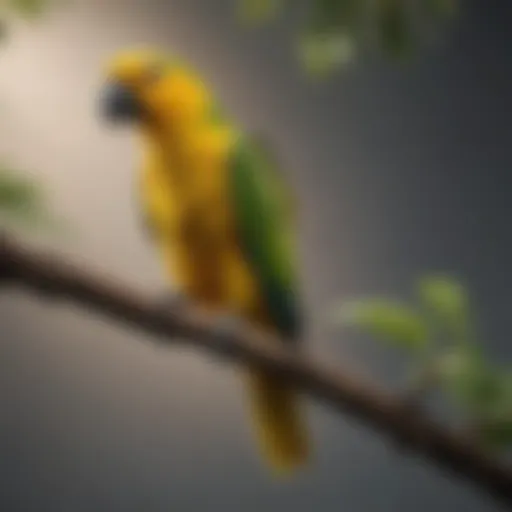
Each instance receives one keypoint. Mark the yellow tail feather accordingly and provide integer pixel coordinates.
(280, 426)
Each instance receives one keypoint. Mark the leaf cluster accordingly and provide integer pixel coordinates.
(25, 8)
(22, 200)
(436, 330)
(334, 30)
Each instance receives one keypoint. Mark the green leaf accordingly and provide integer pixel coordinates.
(496, 428)
(501, 408)
(17, 194)
(396, 323)
(23, 204)
(329, 41)
(259, 11)
(327, 15)
(496, 435)
(441, 8)
(471, 380)
(29, 8)
(321, 54)
(449, 302)
(393, 27)
(444, 295)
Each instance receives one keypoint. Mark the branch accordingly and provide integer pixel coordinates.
(37, 270)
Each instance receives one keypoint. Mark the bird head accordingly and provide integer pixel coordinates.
(136, 87)
(146, 87)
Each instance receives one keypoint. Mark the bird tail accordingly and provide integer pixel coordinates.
(279, 422)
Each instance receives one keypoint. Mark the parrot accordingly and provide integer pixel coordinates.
(221, 217)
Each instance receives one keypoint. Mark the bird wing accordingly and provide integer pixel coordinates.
(264, 220)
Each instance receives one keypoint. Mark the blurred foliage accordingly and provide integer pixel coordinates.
(22, 200)
(25, 8)
(436, 333)
(394, 322)
(447, 302)
(23, 203)
(257, 11)
(17, 195)
(334, 30)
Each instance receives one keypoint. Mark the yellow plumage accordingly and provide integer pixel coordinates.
(184, 196)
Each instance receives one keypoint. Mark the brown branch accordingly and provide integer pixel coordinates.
(39, 271)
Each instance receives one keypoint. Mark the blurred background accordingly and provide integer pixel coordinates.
(399, 170)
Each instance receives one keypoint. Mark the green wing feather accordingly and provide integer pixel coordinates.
(264, 144)
(264, 223)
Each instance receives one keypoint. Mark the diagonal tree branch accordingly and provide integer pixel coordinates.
(38, 271)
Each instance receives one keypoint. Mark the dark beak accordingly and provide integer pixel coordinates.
(119, 104)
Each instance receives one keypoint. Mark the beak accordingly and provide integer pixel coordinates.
(118, 103)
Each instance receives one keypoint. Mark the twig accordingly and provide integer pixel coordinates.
(33, 269)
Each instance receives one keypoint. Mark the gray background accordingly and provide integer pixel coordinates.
(398, 171)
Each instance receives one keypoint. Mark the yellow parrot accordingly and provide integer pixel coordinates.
(220, 215)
